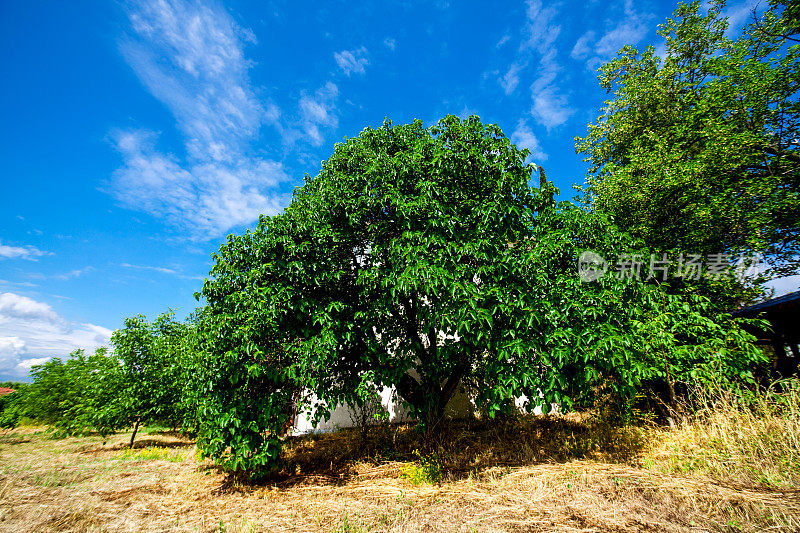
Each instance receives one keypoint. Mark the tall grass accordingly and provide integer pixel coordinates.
(749, 439)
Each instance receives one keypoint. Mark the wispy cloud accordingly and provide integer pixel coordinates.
(541, 29)
(523, 137)
(30, 253)
(162, 270)
(390, 43)
(190, 56)
(510, 79)
(549, 100)
(740, 13)
(32, 333)
(74, 273)
(583, 46)
(630, 28)
(550, 106)
(319, 111)
(18, 283)
(354, 61)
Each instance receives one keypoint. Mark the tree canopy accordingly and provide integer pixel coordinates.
(405, 236)
(698, 150)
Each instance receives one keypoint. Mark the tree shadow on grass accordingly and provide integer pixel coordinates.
(151, 442)
(461, 448)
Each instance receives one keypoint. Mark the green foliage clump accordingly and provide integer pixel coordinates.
(149, 374)
(71, 395)
(427, 469)
(620, 335)
(696, 151)
(244, 389)
(13, 405)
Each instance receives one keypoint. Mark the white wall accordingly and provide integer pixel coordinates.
(345, 416)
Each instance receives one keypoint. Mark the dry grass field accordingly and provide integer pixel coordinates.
(531, 474)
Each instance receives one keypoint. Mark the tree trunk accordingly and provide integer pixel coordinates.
(413, 392)
(135, 429)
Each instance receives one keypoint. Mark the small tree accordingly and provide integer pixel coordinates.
(148, 374)
(67, 394)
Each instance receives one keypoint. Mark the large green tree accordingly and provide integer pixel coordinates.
(394, 266)
(698, 151)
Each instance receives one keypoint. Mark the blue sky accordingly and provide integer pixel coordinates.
(137, 135)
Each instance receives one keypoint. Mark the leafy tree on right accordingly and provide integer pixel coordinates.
(699, 151)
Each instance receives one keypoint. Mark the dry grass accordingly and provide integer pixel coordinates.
(750, 442)
(532, 474)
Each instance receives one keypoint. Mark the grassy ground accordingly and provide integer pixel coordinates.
(531, 474)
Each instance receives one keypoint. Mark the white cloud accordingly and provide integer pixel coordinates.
(162, 270)
(18, 283)
(21, 252)
(390, 43)
(351, 61)
(630, 28)
(523, 137)
(74, 273)
(540, 28)
(503, 40)
(510, 80)
(550, 108)
(206, 198)
(581, 50)
(21, 307)
(190, 56)
(630, 31)
(549, 99)
(538, 36)
(319, 111)
(741, 13)
(31, 332)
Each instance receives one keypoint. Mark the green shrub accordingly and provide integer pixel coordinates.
(427, 469)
